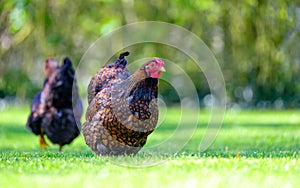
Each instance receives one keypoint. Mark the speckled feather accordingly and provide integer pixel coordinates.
(107, 74)
(122, 115)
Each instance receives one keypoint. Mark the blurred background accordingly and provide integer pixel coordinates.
(256, 43)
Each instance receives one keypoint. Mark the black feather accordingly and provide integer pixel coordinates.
(122, 60)
(60, 126)
(122, 55)
(63, 85)
(34, 120)
(143, 92)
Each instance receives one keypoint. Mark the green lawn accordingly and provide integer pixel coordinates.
(252, 149)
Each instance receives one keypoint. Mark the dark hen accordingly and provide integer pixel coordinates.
(106, 74)
(121, 116)
(35, 118)
(54, 107)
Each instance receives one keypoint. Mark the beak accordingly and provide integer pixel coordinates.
(162, 69)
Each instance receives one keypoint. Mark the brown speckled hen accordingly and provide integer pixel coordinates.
(52, 113)
(123, 114)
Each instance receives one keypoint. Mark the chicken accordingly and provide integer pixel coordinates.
(123, 114)
(107, 74)
(52, 112)
(34, 119)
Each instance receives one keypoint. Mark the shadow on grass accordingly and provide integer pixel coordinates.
(258, 145)
(8, 153)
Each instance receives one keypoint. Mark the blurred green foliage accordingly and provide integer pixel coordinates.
(256, 42)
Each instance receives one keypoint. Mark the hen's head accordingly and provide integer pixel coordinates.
(50, 66)
(154, 68)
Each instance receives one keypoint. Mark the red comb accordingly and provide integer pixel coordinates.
(49, 59)
(159, 61)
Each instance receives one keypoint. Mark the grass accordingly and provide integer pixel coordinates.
(252, 149)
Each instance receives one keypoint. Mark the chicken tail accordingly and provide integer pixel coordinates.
(122, 60)
(122, 55)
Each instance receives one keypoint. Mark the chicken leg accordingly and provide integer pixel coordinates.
(43, 143)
